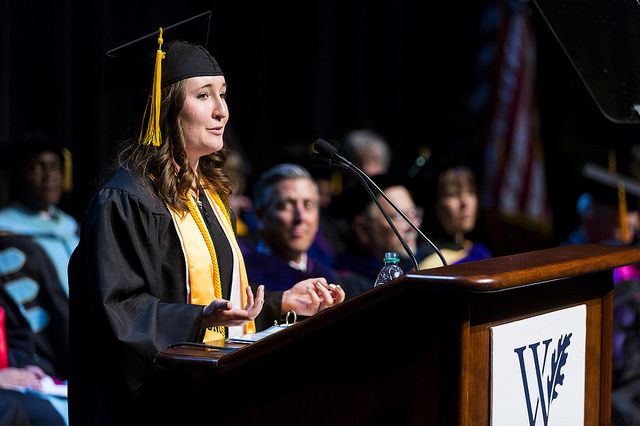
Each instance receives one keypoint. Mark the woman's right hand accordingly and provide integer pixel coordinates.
(221, 312)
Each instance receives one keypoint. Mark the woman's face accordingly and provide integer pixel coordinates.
(204, 116)
(457, 204)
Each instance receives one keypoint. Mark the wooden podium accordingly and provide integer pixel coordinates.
(416, 350)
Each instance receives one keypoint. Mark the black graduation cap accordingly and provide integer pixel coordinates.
(604, 186)
(16, 153)
(184, 45)
(610, 188)
(157, 60)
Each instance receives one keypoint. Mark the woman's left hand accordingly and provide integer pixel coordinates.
(311, 296)
(221, 312)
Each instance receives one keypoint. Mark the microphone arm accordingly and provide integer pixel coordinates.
(328, 156)
(361, 175)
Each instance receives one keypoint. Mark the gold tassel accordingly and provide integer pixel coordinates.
(152, 135)
(622, 211)
(336, 183)
(67, 177)
(622, 199)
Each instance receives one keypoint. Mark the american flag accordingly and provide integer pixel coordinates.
(514, 184)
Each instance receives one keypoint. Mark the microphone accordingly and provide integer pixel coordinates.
(326, 155)
(325, 149)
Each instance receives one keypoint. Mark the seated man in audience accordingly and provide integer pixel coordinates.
(38, 173)
(367, 150)
(371, 236)
(36, 240)
(286, 203)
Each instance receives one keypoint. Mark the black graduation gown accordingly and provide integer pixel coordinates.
(128, 295)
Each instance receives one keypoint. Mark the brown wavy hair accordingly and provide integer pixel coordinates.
(159, 162)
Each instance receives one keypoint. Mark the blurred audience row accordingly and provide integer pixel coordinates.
(297, 223)
(36, 241)
(293, 227)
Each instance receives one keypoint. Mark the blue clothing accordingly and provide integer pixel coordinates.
(31, 284)
(477, 251)
(55, 231)
(359, 262)
(276, 274)
(453, 253)
(25, 348)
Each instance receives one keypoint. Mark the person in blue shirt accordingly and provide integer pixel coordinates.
(36, 242)
(35, 166)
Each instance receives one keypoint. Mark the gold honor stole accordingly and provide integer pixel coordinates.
(451, 255)
(204, 276)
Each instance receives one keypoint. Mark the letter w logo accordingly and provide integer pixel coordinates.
(544, 394)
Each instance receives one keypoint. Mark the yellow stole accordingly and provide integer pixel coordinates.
(204, 276)
(452, 256)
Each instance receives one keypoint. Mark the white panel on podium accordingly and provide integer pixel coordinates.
(538, 369)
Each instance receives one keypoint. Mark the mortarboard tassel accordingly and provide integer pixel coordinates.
(67, 183)
(622, 211)
(152, 135)
(622, 199)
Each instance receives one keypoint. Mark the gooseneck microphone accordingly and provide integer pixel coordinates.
(327, 156)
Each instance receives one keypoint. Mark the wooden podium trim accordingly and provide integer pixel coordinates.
(502, 273)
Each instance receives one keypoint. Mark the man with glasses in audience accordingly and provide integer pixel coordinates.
(371, 236)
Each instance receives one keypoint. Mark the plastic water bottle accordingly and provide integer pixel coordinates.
(390, 270)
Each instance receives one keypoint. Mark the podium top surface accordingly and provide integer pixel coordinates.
(503, 273)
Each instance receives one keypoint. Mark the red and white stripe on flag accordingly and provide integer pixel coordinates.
(514, 178)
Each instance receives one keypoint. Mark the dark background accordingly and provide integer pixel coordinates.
(297, 70)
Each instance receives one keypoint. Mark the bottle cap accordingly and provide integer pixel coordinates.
(391, 256)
